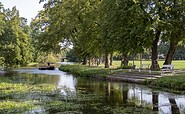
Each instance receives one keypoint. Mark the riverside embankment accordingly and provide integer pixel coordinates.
(174, 83)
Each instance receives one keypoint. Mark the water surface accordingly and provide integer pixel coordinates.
(111, 94)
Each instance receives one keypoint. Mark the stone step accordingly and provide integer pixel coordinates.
(135, 77)
(133, 80)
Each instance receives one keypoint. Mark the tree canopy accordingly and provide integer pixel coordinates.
(95, 28)
(15, 48)
(104, 26)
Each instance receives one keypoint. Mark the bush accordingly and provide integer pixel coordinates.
(126, 67)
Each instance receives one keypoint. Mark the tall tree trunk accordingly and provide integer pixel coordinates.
(106, 59)
(171, 51)
(124, 59)
(155, 65)
(92, 61)
(111, 58)
(89, 61)
(84, 60)
(98, 61)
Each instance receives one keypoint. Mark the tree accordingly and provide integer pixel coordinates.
(15, 43)
(2, 23)
(107, 44)
(105, 26)
(36, 34)
(131, 28)
(152, 12)
(175, 19)
(122, 27)
(167, 22)
(73, 21)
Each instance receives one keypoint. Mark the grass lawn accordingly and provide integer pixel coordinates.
(178, 64)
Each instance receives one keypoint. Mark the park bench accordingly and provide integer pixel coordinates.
(167, 69)
(145, 67)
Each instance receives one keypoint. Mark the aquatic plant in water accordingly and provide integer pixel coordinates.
(19, 97)
(15, 107)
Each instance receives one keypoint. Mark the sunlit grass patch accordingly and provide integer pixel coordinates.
(178, 64)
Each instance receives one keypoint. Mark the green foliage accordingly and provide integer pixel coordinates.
(122, 24)
(98, 27)
(15, 40)
(72, 56)
(126, 67)
(2, 21)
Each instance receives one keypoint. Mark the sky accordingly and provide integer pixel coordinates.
(27, 8)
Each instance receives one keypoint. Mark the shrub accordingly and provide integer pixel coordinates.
(126, 67)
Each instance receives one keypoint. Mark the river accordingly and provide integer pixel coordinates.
(112, 94)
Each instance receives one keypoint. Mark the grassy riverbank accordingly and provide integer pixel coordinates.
(174, 83)
(86, 71)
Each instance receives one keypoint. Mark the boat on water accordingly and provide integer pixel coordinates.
(46, 68)
(50, 66)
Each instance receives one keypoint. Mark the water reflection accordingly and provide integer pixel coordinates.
(61, 79)
(114, 94)
(124, 94)
(155, 100)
